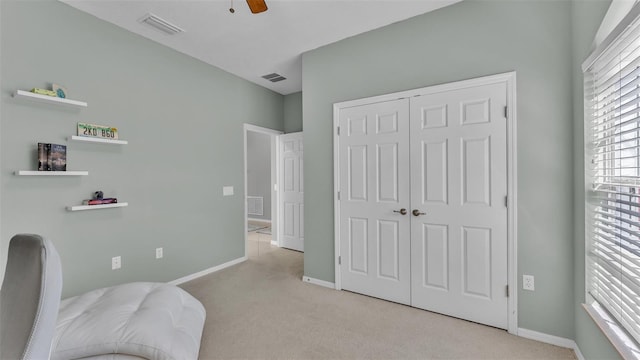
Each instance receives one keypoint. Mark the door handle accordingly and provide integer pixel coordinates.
(417, 212)
(402, 211)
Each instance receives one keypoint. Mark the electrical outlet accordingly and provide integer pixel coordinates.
(116, 263)
(159, 253)
(528, 282)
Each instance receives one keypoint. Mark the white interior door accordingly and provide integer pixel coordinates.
(291, 191)
(374, 183)
(459, 188)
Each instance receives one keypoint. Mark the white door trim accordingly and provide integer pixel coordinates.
(512, 205)
(273, 135)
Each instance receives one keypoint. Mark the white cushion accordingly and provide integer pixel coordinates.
(149, 320)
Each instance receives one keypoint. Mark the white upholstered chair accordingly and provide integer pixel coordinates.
(29, 298)
(129, 321)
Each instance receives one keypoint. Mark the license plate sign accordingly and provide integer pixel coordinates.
(97, 131)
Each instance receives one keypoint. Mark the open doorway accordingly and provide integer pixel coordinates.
(261, 197)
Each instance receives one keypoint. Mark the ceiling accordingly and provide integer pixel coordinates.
(252, 45)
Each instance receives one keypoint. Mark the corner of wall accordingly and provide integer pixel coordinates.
(585, 21)
(293, 112)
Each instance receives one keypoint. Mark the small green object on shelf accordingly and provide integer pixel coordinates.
(44, 92)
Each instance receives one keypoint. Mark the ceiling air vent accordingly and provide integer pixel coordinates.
(160, 24)
(273, 77)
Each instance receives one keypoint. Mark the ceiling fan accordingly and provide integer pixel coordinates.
(256, 6)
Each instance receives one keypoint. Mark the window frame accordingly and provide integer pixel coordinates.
(622, 341)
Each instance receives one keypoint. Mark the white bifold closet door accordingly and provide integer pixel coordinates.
(442, 158)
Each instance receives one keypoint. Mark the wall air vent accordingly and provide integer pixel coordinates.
(273, 77)
(160, 24)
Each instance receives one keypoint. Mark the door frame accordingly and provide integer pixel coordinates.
(275, 180)
(509, 79)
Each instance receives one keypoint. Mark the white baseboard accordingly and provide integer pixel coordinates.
(207, 271)
(579, 355)
(327, 284)
(551, 339)
(274, 243)
(268, 221)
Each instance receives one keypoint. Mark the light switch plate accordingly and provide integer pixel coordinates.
(227, 190)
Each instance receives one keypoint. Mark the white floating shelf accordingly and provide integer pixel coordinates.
(96, 207)
(50, 173)
(98, 140)
(27, 95)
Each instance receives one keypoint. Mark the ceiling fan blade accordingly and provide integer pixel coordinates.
(257, 6)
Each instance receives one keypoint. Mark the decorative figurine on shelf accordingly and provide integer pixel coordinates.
(60, 91)
(98, 195)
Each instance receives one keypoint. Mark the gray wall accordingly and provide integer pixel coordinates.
(183, 120)
(466, 40)
(293, 112)
(586, 18)
(259, 170)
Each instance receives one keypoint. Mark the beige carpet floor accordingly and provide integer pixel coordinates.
(260, 309)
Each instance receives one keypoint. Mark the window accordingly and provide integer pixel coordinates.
(612, 127)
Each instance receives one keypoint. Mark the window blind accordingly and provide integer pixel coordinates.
(612, 101)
